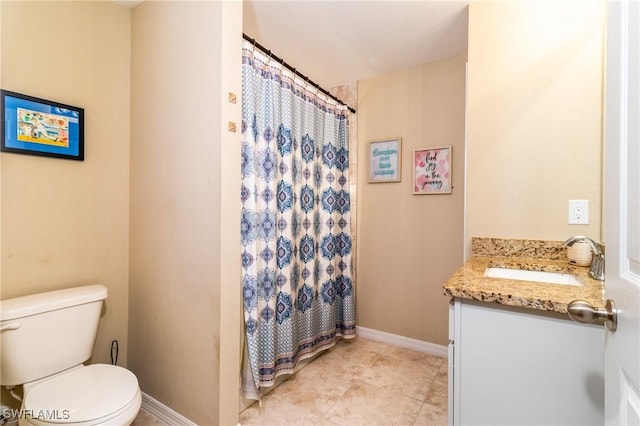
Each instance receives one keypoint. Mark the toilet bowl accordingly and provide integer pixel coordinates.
(45, 340)
(87, 395)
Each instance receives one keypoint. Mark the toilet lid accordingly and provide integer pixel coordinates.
(81, 395)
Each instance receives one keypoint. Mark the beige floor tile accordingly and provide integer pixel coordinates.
(275, 412)
(443, 372)
(338, 365)
(303, 399)
(367, 404)
(437, 393)
(314, 395)
(431, 416)
(357, 351)
(359, 345)
(410, 377)
(145, 418)
(359, 382)
(408, 354)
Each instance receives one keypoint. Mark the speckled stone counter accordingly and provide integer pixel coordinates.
(469, 282)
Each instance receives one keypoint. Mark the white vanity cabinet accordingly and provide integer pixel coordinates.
(522, 366)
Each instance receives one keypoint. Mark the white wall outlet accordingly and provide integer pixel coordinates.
(578, 212)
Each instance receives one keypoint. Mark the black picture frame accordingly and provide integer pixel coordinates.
(35, 126)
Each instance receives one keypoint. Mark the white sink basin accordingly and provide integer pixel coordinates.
(537, 276)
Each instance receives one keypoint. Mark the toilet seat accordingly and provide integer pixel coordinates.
(91, 394)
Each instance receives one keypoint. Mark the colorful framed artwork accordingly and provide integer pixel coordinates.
(432, 170)
(37, 126)
(385, 161)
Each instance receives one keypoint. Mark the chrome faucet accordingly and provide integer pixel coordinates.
(597, 261)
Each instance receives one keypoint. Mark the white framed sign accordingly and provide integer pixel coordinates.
(385, 161)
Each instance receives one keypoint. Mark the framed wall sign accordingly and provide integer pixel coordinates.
(385, 161)
(39, 127)
(432, 170)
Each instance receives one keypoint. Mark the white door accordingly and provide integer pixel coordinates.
(622, 212)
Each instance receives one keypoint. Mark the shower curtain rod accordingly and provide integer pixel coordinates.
(292, 69)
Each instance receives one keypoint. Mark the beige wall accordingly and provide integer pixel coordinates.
(408, 245)
(64, 222)
(185, 270)
(67, 223)
(229, 276)
(534, 117)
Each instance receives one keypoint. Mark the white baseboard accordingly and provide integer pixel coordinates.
(403, 342)
(164, 413)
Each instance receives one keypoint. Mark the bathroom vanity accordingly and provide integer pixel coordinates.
(515, 357)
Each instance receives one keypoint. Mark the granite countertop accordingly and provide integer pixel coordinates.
(469, 282)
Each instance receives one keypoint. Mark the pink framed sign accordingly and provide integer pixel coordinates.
(432, 170)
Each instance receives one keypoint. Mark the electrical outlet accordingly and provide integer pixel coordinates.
(578, 212)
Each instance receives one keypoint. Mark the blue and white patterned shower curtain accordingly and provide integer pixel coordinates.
(297, 284)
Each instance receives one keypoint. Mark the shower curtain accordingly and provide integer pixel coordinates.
(297, 284)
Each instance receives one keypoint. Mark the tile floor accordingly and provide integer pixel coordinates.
(145, 418)
(362, 382)
(359, 382)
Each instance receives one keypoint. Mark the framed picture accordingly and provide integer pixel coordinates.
(385, 161)
(39, 127)
(432, 170)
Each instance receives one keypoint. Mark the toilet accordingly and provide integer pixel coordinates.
(45, 339)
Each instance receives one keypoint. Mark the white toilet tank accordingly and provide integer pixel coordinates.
(46, 333)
